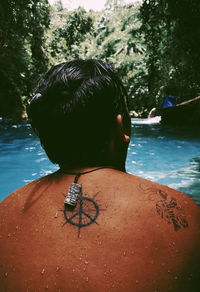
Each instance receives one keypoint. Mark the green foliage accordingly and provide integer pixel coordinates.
(154, 45)
(171, 34)
(22, 25)
(39, 22)
(59, 5)
(113, 4)
(112, 35)
(68, 31)
(118, 40)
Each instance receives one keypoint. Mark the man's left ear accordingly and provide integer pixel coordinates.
(121, 130)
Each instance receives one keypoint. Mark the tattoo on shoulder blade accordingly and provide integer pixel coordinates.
(166, 207)
(169, 210)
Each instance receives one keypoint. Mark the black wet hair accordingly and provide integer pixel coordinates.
(74, 110)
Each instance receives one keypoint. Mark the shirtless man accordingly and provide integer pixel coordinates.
(115, 232)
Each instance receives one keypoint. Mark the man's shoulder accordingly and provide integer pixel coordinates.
(166, 200)
(152, 190)
(171, 210)
(166, 225)
(17, 199)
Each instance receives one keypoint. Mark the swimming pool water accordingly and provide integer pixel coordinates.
(166, 155)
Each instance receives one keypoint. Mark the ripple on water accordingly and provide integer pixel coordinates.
(165, 155)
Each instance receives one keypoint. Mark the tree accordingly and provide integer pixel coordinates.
(117, 39)
(113, 4)
(22, 24)
(38, 23)
(71, 29)
(58, 5)
(171, 32)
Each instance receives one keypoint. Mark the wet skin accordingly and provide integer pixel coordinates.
(145, 237)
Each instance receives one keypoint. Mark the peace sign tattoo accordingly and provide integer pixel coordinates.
(79, 210)
(84, 214)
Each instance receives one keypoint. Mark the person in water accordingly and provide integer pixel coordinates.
(91, 226)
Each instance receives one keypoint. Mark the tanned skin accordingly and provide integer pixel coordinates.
(140, 236)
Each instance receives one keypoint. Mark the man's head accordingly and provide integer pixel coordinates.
(78, 111)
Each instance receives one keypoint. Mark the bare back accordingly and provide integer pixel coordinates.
(139, 236)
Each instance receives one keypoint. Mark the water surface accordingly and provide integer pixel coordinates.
(162, 154)
(166, 155)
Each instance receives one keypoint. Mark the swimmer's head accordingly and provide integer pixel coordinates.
(79, 110)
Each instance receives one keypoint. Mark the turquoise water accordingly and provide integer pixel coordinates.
(162, 154)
